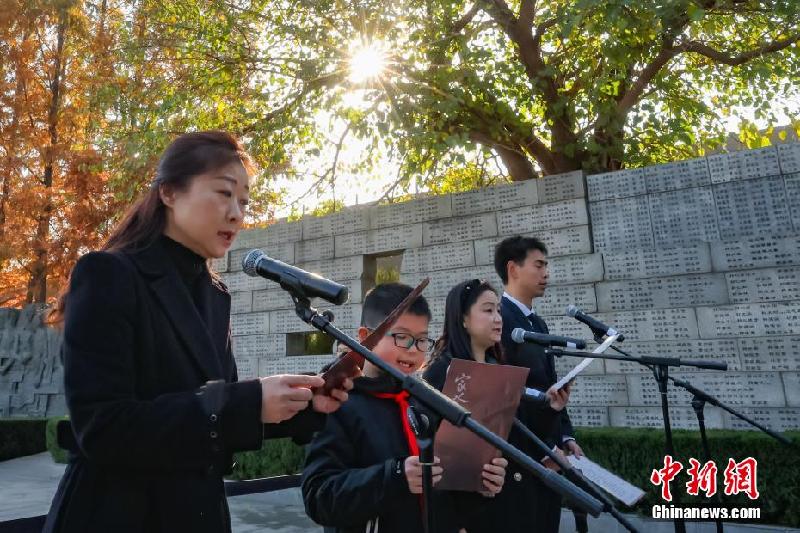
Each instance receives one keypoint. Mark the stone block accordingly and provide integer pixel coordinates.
(559, 187)
(313, 250)
(652, 262)
(250, 324)
(658, 293)
(685, 216)
(752, 207)
(440, 257)
(411, 212)
(622, 223)
(749, 320)
(755, 252)
(677, 175)
(495, 198)
(619, 184)
(459, 229)
(379, 241)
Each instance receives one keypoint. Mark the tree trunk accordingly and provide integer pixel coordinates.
(519, 166)
(516, 162)
(37, 287)
(610, 138)
(11, 146)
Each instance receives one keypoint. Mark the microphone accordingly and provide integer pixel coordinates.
(598, 328)
(519, 335)
(535, 396)
(257, 263)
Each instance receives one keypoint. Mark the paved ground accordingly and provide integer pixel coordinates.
(27, 485)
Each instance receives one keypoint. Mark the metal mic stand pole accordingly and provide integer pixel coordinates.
(423, 432)
(659, 366)
(715, 402)
(577, 477)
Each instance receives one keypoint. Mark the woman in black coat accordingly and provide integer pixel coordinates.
(473, 328)
(155, 405)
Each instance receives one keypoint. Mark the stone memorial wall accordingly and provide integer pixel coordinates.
(695, 259)
(31, 374)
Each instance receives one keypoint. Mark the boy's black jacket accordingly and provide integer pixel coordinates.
(353, 473)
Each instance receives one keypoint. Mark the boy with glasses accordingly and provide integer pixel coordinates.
(362, 471)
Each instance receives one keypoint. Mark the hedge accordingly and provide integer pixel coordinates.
(632, 454)
(60, 455)
(21, 436)
(276, 457)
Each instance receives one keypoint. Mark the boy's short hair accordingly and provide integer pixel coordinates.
(383, 299)
(515, 249)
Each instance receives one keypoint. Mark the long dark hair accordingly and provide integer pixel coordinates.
(187, 156)
(455, 340)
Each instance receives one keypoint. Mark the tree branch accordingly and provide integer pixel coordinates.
(647, 74)
(461, 23)
(529, 52)
(308, 87)
(514, 158)
(527, 11)
(541, 28)
(734, 60)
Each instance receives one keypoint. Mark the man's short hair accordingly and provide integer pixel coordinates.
(515, 249)
(383, 299)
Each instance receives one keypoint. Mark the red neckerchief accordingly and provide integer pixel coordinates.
(401, 398)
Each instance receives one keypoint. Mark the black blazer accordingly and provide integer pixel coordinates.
(152, 441)
(543, 370)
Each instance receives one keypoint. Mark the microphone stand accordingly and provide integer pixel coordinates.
(660, 367)
(443, 406)
(707, 398)
(698, 404)
(577, 477)
(699, 400)
(423, 431)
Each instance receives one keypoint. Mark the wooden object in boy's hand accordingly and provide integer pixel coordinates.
(491, 393)
(348, 364)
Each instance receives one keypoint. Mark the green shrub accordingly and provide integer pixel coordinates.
(60, 455)
(277, 457)
(634, 453)
(631, 453)
(21, 436)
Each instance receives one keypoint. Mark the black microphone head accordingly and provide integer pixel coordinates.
(250, 261)
(573, 310)
(518, 335)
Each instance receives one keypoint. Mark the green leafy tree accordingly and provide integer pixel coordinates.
(548, 86)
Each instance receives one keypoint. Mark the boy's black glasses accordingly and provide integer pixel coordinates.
(404, 340)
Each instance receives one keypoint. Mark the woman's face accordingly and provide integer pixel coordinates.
(207, 215)
(483, 321)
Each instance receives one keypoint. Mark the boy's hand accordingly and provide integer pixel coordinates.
(494, 475)
(413, 470)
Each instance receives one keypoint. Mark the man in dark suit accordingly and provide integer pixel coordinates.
(521, 263)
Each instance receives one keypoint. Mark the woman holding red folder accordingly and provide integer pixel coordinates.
(472, 330)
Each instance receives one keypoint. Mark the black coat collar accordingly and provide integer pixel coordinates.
(171, 292)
